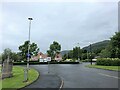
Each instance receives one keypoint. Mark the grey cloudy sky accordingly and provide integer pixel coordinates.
(65, 22)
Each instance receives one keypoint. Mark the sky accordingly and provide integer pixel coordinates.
(68, 23)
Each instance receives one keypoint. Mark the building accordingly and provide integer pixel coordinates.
(58, 57)
(41, 57)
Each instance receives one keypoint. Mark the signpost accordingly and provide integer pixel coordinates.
(48, 60)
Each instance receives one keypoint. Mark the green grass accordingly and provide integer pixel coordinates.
(114, 68)
(18, 77)
(0, 80)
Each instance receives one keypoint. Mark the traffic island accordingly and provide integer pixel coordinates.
(16, 81)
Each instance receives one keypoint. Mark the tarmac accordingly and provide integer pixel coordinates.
(45, 81)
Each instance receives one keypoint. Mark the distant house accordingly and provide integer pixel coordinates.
(95, 59)
(58, 57)
(41, 57)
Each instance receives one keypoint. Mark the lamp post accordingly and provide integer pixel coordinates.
(78, 52)
(28, 55)
(28, 59)
(90, 54)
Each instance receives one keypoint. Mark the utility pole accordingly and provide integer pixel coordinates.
(90, 54)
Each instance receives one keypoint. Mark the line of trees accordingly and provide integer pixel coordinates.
(9, 53)
(22, 54)
(112, 50)
(78, 53)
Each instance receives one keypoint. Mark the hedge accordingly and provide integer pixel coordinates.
(36, 63)
(108, 61)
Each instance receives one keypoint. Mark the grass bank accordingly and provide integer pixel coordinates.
(0, 80)
(114, 68)
(16, 81)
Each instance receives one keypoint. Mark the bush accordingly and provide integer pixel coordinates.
(108, 61)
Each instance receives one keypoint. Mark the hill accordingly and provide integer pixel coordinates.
(97, 46)
(64, 52)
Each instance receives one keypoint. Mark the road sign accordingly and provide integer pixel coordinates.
(28, 55)
(48, 58)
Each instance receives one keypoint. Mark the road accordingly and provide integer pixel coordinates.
(79, 76)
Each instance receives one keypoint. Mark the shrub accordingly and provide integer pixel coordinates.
(108, 61)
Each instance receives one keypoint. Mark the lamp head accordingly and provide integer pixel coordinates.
(30, 18)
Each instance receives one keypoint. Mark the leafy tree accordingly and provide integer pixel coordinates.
(64, 57)
(7, 53)
(84, 51)
(55, 48)
(15, 56)
(76, 52)
(0, 56)
(84, 56)
(24, 49)
(113, 48)
(70, 54)
(115, 42)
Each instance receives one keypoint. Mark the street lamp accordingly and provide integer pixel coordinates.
(28, 59)
(90, 54)
(78, 52)
(28, 54)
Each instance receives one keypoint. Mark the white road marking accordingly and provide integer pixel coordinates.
(108, 75)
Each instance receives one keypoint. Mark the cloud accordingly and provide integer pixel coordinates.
(67, 23)
(60, 1)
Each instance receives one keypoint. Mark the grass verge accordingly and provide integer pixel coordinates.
(18, 77)
(0, 79)
(114, 68)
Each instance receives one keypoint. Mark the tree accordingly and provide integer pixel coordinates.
(7, 53)
(64, 57)
(0, 58)
(84, 56)
(55, 48)
(113, 48)
(70, 54)
(115, 42)
(24, 49)
(76, 52)
(15, 56)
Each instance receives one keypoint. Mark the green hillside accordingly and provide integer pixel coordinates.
(97, 47)
(64, 52)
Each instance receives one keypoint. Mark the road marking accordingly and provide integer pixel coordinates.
(109, 75)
